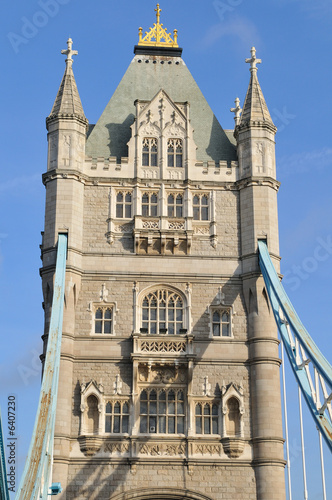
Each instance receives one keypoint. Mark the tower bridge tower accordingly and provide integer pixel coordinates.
(169, 375)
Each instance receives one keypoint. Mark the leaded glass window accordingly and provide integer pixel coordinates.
(162, 411)
(175, 205)
(201, 207)
(174, 153)
(103, 320)
(117, 417)
(162, 312)
(207, 418)
(150, 152)
(150, 204)
(123, 205)
(221, 326)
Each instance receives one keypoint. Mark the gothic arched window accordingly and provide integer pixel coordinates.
(123, 205)
(175, 205)
(162, 411)
(150, 204)
(150, 152)
(201, 207)
(103, 320)
(117, 417)
(174, 153)
(207, 418)
(221, 325)
(162, 312)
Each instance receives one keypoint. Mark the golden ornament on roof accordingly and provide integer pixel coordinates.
(157, 36)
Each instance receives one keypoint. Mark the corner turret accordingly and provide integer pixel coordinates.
(255, 131)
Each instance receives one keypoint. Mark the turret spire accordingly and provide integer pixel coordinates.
(67, 102)
(255, 108)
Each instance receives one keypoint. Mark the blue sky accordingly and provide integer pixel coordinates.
(293, 39)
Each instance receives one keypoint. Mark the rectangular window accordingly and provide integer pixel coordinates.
(117, 417)
(221, 323)
(162, 412)
(150, 152)
(175, 205)
(123, 205)
(103, 321)
(174, 153)
(150, 204)
(201, 207)
(206, 418)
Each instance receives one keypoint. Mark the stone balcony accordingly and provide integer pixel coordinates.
(167, 347)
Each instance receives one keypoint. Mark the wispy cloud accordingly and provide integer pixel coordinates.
(20, 183)
(236, 26)
(305, 161)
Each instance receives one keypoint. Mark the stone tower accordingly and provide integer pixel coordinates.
(169, 376)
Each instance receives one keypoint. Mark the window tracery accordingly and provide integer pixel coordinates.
(103, 320)
(124, 205)
(162, 411)
(162, 312)
(201, 207)
(117, 417)
(175, 205)
(174, 153)
(150, 152)
(207, 418)
(221, 323)
(150, 204)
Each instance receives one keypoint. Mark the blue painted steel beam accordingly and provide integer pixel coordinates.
(4, 493)
(36, 477)
(285, 315)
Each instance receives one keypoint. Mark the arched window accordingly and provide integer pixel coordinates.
(162, 411)
(221, 326)
(233, 417)
(150, 204)
(103, 320)
(117, 417)
(150, 152)
(207, 418)
(92, 417)
(201, 207)
(174, 153)
(162, 312)
(175, 205)
(123, 205)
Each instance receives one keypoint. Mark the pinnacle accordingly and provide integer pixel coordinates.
(67, 101)
(255, 108)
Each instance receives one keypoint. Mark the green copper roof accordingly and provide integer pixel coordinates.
(142, 80)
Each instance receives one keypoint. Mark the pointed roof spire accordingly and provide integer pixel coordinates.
(255, 108)
(67, 102)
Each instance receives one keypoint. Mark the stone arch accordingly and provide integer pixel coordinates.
(160, 494)
(172, 290)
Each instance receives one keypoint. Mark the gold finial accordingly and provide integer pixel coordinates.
(158, 13)
(157, 36)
